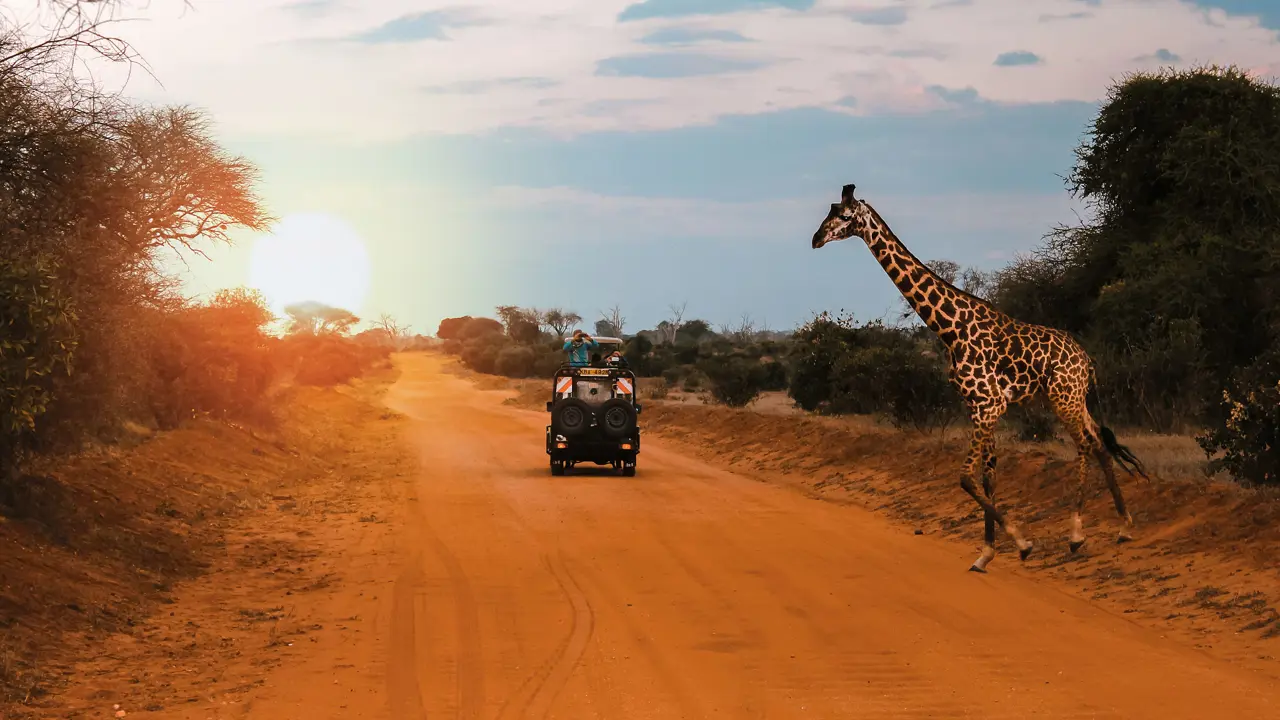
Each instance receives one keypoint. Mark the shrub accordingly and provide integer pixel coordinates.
(775, 375)
(1032, 422)
(516, 361)
(735, 381)
(481, 354)
(1249, 437)
(672, 375)
(326, 360)
(38, 340)
(838, 367)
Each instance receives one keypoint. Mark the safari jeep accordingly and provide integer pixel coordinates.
(594, 416)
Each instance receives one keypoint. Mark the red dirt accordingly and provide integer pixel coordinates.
(427, 564)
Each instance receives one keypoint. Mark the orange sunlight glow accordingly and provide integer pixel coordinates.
(311, 256)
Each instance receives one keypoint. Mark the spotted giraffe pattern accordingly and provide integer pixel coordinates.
(994, 361)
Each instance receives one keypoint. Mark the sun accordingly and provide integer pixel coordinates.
(311, 256)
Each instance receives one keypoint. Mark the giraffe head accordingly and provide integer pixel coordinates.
(848, 218)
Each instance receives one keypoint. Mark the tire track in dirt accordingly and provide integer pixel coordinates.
(536, 686)
(470, 664)
(403, 691)
(567, 659)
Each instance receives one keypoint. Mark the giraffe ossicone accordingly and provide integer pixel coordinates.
(995, 361)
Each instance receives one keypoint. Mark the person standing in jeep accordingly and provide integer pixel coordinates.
(579, 347)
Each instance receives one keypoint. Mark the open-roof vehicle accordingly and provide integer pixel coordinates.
(594, 415)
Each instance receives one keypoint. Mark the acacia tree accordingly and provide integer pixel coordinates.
(520, 324)
(314, 318)
(1174, 282)
(396, 334)
(560, 320)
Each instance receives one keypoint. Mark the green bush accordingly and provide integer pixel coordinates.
(481, 354)
(673, 375)
(516, 361)
(39, 339)
(735, 381)
(1249, 435)
(1032, 422)
(775, 375)
(841, 368)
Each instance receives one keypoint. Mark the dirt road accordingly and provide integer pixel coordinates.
(687, 592)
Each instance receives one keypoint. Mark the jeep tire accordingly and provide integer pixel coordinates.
(570, 417)
(617, 419)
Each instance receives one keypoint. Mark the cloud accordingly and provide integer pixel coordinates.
(412, 28)
(650, 9)
(257, 65)
(690, 36)
(1266, 11)
(894, 15)
(929, 218)
(475, 87)
(1017, 58)
(311, 8)
(671, 65)
(963, 96)
(1161, 55)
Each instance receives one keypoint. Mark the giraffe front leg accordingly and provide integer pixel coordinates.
(989, 521)
(983, 437)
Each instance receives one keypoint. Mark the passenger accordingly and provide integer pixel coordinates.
(616, 359)
(596, 361)
(578, 346)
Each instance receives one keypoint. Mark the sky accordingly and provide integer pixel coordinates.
(642, 153)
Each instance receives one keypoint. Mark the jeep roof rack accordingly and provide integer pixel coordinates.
(603, 340)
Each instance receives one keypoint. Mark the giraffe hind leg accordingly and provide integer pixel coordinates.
(1109, 472)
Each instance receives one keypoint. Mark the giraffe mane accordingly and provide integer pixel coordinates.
(941, 280)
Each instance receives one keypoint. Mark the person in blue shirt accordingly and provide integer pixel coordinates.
(578, 348)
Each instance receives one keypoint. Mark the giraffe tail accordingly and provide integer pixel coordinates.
(1124, 457)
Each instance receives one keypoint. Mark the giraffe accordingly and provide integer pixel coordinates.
(995, 361)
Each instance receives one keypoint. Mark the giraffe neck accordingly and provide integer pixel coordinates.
(939, 304)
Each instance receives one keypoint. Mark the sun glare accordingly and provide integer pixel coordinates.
(311, 257)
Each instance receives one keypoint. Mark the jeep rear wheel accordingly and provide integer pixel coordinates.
(617, 418)
(570, 417)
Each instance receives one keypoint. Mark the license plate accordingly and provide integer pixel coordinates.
(593, 371)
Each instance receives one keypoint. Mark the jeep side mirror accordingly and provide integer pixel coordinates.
(549, 404)
(638, 408)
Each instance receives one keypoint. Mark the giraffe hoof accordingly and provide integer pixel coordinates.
(1075, 545)
(1024, 553)
(1123, 538)
(975, 568)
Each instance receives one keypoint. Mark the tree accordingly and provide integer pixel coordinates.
(451, 328)
(695, 330)
(189, 186)
(742, 332)
(93, 187)
(313, 318)
(243, 308)
(395, 334)
(559, 321)
(611, 322)
(969, 279)
(1182, 172)
(520, 324)
(39, 340)
(669, 329)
